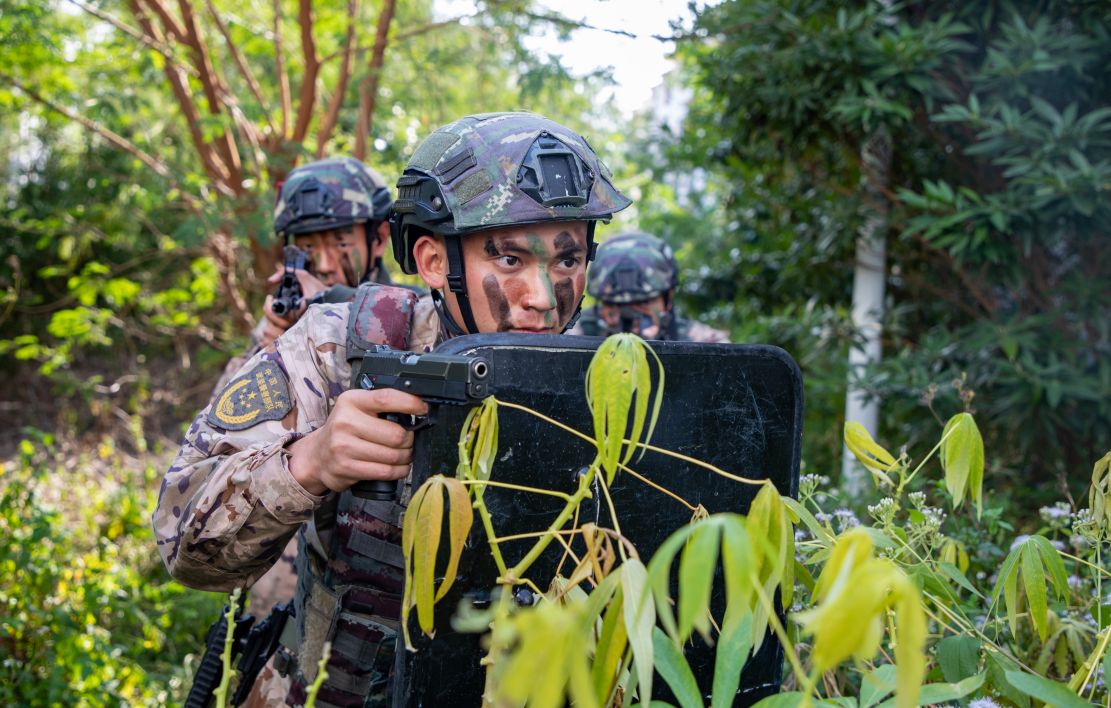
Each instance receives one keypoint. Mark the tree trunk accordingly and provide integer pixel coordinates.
(868, 294)
(223, 249)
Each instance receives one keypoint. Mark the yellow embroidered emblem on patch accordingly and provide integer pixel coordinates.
(261, 394)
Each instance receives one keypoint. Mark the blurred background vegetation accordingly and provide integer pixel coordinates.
(140, 143)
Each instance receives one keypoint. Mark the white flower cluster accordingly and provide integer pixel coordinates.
(983, 703)
(917, 499)
(846, 519)
(883, 510)
(934, 518)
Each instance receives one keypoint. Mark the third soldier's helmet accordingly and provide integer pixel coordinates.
(493, 170)
(633, 267)
(330, 194)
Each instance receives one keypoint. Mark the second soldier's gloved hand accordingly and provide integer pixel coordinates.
(355, 444)
(276, 324)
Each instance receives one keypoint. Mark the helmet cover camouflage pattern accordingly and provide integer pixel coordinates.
(499, 169)
(330, 194)
(632, 267)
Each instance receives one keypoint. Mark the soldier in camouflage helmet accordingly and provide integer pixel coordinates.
(496, 212)
(337, 211)
(634, 281)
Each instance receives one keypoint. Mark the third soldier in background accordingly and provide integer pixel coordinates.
(634, 279)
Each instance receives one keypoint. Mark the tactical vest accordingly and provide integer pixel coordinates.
(350, 594)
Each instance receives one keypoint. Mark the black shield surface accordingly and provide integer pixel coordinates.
(738, 407)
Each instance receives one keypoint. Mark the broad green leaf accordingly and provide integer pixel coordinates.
(733, 648)
(1033, 581)
(1050, 692)
(938, 693)
(962, 457)
(673, 668)
(871, 454)
(640, 620)
(1058, 576)
(959, 657)
(1007, 585)
(877, 685)
(998, 666)
(910, 654)
(659, 576)
(696, 580)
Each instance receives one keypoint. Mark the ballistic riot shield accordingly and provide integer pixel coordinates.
(738, 407)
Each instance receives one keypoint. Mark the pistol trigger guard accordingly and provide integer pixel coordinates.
(420, 422)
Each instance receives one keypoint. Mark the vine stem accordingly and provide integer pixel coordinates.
(488, 525)
(585, 483)
(646, 446)
(613, 515)
(517, 487)
(221, 692)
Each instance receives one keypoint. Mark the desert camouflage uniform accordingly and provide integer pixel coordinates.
(229, 505)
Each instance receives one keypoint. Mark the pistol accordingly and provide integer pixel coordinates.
(287, 298)
(439, 379)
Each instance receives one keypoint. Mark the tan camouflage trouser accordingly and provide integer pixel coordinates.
(270, 688)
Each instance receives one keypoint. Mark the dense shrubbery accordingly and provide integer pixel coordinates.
(87, 614)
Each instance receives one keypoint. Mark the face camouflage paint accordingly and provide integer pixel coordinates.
(499, 303)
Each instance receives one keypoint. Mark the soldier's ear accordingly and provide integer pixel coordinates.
(430, 257)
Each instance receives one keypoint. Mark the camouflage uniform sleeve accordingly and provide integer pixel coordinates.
(229, 503)
(699, 332)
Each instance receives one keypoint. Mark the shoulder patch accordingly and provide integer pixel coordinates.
(260, 394)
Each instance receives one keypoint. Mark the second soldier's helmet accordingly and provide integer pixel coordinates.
(633, 267)
(330, 194)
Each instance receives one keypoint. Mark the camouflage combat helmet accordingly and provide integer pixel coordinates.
(633, 267)
(330, 194)
(494, 170)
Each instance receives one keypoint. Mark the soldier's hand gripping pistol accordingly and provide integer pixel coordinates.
(439, 379)
(288, 296)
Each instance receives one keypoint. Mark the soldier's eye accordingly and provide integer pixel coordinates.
(509, 261)
(570, 262)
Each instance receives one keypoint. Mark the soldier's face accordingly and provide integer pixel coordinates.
(641, 318)
(339, 256)
(519, 279)
(526, 278)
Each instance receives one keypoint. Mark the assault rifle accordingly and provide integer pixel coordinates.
(439, 379)
(288, 296)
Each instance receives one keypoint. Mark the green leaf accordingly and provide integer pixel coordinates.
(733, 648)
(934, 693)
(959, 657)
(954, 573)
(791, 699)
(962, 457)
(1033, 581)
(640, 620)
(871, 455)
(696, 580)
(674, 669)
(1058, 576)
(1006, 584)
(1050, 692)
(998, 666)
(877, 685)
